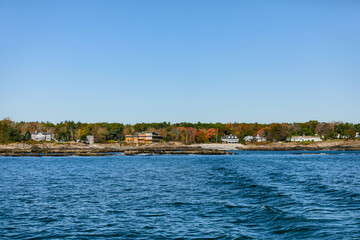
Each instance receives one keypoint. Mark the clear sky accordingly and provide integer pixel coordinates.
(152, 61)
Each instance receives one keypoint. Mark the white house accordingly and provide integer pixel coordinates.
(305, 139)
(230, 139)
(90, 139)
(256, 138)
(347, 136)
(41, 136)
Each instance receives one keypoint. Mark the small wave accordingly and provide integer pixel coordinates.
(115, 211)
(313, 153)
(47, 219)
(269, 209)
(180, 203)
(151, 215)
(149, 227)
(234, 206)
(277, 216)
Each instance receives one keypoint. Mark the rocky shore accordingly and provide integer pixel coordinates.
(334, 145)
(80, 149)
(190, 150)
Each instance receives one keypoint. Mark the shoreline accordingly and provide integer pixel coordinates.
(174, 148)
(78, 149)
(334, 145)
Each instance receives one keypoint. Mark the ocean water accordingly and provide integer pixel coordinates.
(252, 195)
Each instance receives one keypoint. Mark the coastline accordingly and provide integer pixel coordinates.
(105, 149)
(334, 145)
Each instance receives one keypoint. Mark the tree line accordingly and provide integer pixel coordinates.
(103, 132)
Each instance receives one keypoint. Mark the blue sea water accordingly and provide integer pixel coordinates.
(252, 195)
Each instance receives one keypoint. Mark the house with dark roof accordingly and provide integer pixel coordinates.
(256, 138)
(41, 136)
(230, 139)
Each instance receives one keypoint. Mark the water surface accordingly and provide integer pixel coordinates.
(253, 195)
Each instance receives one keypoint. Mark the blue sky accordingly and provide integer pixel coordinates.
(153, 61)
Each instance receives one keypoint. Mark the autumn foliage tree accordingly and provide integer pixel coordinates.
(183, 132)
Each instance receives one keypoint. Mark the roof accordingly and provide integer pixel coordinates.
(305, 137)
(229, 137)
(43, 133)
(137, 134)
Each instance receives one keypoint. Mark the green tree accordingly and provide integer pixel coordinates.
(27, 136)
(115, 131)
(277, 132)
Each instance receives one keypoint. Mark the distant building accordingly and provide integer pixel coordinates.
(41, 136)
(90, 139)
(305, 139)
(144, 137)
(349, 136)
(345, 136)
(230, 139)
(132, 138)
(341, 136)
(256, 138)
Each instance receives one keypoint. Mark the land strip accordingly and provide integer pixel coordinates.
(80, 149)
(339, 145)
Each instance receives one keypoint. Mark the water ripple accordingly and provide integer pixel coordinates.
(252, 195)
